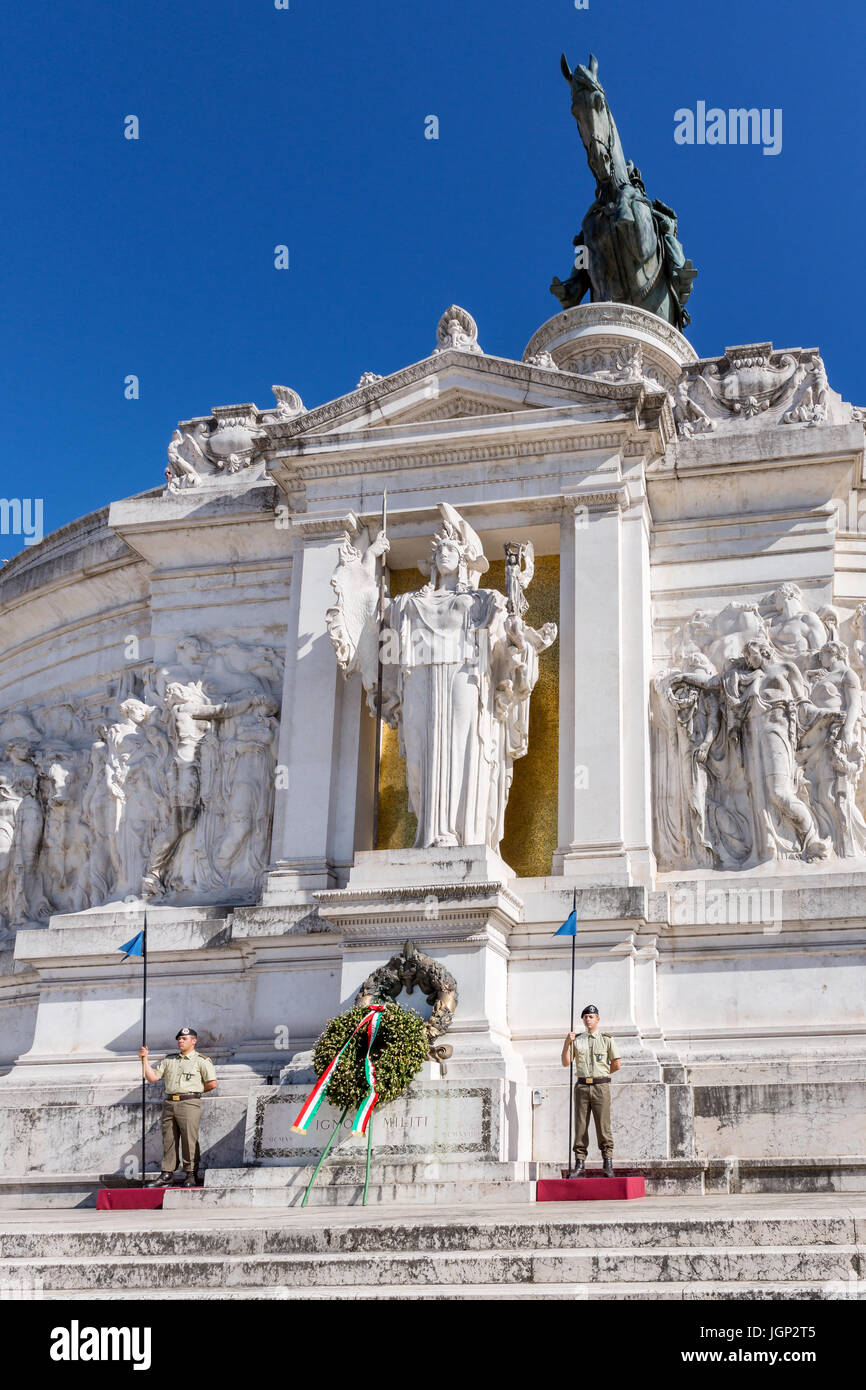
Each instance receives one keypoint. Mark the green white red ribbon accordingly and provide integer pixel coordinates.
(370, 1021)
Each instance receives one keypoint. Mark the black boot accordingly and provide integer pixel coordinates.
(607, 1168)
(191, 1180)
(162, 1180)
(579, 1169)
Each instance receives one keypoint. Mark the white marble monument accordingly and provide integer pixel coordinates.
(667, 719)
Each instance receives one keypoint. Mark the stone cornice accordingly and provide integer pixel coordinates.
(468, 911)
(762, 449)
(318, 527)
(347, 460)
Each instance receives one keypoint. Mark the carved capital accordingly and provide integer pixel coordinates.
(604, 500)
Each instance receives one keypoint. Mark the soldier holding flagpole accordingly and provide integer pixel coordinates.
(187, 1076)
(597, 1057)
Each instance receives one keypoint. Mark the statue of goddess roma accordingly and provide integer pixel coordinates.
(458, 667)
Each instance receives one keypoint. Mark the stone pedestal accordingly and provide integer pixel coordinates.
(459, 906)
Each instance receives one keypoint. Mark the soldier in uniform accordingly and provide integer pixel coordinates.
(187, 1075)
(595, 1056)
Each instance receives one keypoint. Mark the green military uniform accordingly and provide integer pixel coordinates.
(184, 1078)
(592, 1055)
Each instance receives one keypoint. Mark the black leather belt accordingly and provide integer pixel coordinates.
(187, 1095)
(593, 1080)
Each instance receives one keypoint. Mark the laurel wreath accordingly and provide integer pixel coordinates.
(400, 1049)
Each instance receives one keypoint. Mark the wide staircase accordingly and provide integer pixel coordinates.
(714, 1248)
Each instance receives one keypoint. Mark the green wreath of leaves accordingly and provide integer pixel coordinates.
(400, 1050)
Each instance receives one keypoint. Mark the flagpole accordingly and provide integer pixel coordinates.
(571, 1030)
(144, 1044)
(377, 762)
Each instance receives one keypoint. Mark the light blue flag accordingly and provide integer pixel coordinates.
(569, 926)
(135, 947)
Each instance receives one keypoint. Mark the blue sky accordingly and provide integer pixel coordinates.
(305, 127)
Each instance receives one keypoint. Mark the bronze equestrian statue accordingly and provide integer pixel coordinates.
(631, 253)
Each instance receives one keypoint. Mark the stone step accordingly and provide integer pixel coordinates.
(809, 1290)
(402, 1183)
(782, 1264)
(426, 1234)
(351, 1194)
(275, 1177)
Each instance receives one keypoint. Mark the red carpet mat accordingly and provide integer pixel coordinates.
(588, 1189)
(129, 1198)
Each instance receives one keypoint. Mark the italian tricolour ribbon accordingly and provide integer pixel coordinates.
(370, 1021)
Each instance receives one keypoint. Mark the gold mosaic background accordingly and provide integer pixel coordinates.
(531, 817)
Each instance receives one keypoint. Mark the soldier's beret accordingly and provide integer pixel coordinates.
(590, 1009)
(191, 1033)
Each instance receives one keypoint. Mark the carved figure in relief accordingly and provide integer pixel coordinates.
(793, 628)
(776, 772)
(690, 416)
(831, 749)
(737, 624)
(22, 897)
(233, 832)
(859, 646)
(457, 674)
(141, 753)
(763, 702)
(65, 840)
(698, 724)
(100, 812)
(181, 472)
(704, 770)
(810, 406)
(761, 696)
(190, 717)
(224, 667)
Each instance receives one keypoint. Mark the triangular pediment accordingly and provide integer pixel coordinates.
(450, 385)
(455, 404)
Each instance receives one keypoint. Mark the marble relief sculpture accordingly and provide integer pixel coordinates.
(459, 665)
(457, 329)
(759, 739)
(165, 795)
(230, 440)
(747, 383)
(22, 820)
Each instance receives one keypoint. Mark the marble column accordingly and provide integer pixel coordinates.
(604, 798)
(313, 839)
